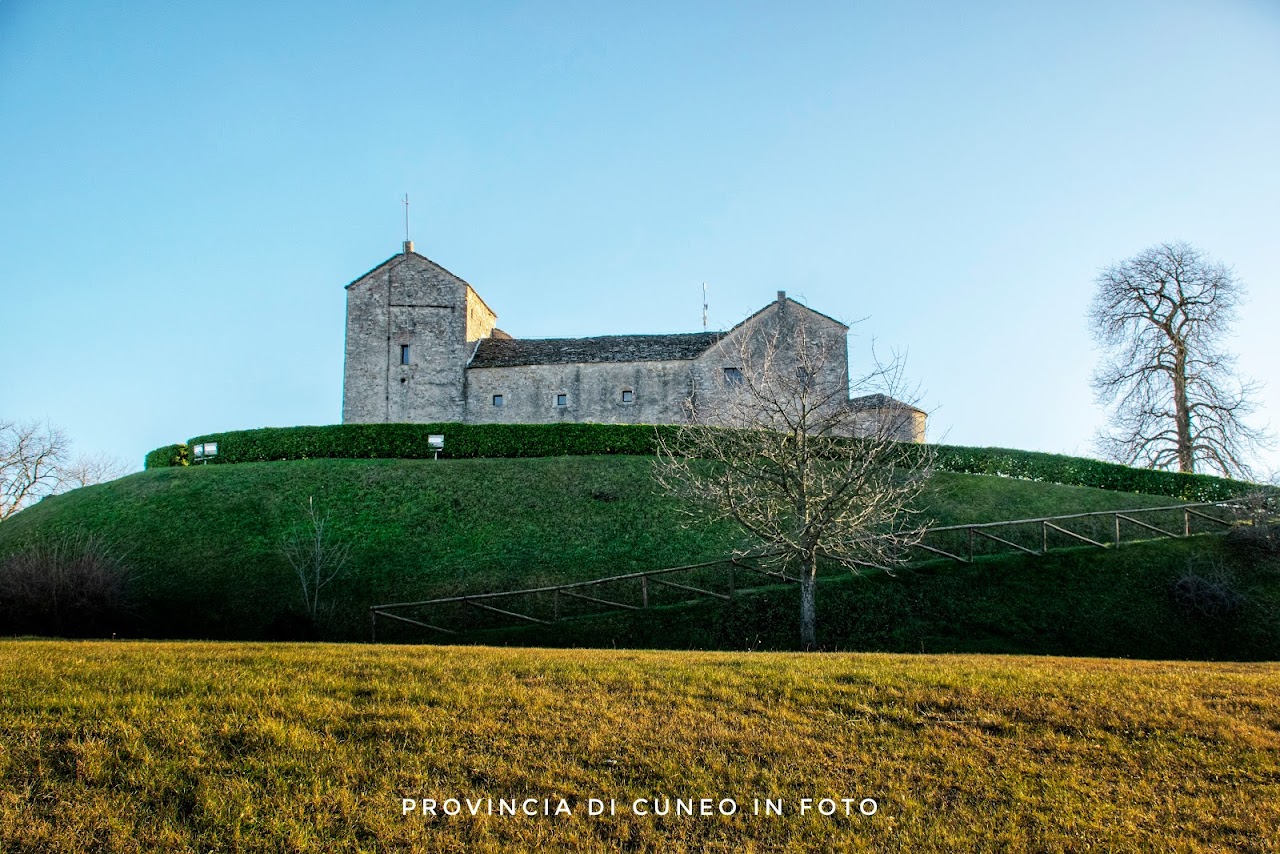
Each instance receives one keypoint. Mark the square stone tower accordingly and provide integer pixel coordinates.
(411, 328)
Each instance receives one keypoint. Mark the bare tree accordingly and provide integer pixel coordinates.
(1175, 400)
(777, 446)
(36, 461)
(31, 456)
(88, 469)
(315, 558)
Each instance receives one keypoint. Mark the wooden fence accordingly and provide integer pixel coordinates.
(723, 578)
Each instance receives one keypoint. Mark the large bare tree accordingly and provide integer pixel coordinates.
(777, 446)
(36, 461)
(1174, 397)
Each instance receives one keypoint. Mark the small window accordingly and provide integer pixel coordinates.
(732, 376)
(497, 400)
(628, 396)
(404, 354)
(562, 400)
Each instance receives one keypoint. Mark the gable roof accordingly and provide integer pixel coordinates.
(790, 301)
(511, 352)
(787, 301)
(401, 256)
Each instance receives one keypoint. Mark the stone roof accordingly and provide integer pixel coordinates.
(402, 256)
(880, 401)
(510, 352)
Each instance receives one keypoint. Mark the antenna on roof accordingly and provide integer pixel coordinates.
(704, 306)
(408, 244)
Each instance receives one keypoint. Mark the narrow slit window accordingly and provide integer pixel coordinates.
(732, 376)
(562, 400)
(404, 354)
(497, 400)
(628, 396)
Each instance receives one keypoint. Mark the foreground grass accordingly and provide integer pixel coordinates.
(196, 747)
(204, 542)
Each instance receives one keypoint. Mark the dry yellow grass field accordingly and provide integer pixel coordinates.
(257, 747)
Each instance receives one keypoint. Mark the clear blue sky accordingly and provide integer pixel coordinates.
(187, 187)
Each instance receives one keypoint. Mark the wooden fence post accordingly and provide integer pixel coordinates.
(644, 591)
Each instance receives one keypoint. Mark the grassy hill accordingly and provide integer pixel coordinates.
(1085, 602)
(249, 747)
(204, 545)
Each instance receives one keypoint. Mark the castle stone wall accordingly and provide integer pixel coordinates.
(480, 318)
(767, 337)
(593, 392)
(408, 301)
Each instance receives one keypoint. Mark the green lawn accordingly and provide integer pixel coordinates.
(187, 747)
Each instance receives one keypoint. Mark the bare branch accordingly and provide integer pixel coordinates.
(86, 470)
(316, 560)
(35, 462)
(31, 463)
(1173, 396)
(778, 446)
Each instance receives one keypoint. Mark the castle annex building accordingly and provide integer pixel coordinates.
(422, 346)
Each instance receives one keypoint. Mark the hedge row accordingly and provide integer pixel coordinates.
(409, 441)
(1078, 471)
(169, 455)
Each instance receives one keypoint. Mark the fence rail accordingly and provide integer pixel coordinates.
(722, 579)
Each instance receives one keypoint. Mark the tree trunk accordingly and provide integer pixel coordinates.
(1182, 414)
(808, 615)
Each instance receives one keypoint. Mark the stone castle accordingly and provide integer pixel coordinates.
(422, 346)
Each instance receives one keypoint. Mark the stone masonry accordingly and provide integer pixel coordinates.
(422, 346)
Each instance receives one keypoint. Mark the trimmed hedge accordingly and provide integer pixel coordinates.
(1078, 471)
(169, 455)
(409, 441)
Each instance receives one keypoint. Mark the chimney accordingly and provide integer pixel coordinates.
(782, 296)
(408, 246)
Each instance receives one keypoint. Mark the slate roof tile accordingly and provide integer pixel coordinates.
(511, 352)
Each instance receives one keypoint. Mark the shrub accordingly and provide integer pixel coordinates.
(1078, 471)
(69, 586)
(1210, 594)
(169, 455)
(1256, 534)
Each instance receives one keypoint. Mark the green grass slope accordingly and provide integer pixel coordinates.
(1115, 603)
(204, 541)
(251, 747)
